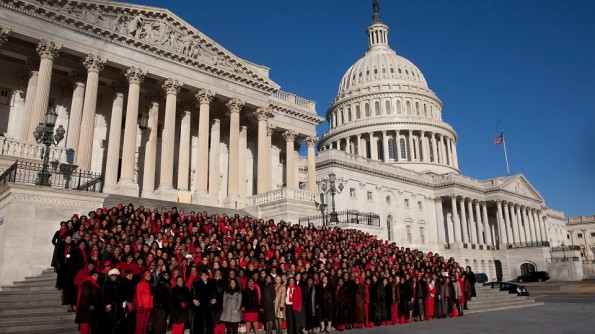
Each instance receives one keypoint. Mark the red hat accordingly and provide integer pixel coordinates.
(242, 264)
(104, 209)
(107, 263)
(75, 216)
(147, 272)
(120, 205)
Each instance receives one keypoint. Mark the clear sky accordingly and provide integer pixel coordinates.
(528, 64)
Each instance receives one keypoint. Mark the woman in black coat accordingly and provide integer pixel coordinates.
(76, 262)
(268, 304)
(388, 301)
(112, 299)
(180, 297)
(127, 291)
(380, 306)
(90, 305)
(161, 301)
(343, 309)
(251, 306)
(326, 300)
(63, 254)
(312, 308)
(373, 293)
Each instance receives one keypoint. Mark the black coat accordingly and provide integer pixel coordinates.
(162, 294)
(327, 302)
(250, 300)
(179, 301)
(268, 302)
(89, 305)
(343, 310)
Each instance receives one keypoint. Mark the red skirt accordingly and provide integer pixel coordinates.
(250, 316)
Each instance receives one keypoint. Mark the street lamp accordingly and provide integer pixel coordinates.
(44, 134)
(564, 252)
(332, 189)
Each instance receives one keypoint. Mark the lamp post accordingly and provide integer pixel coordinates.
(333, 189)
(564, 252)
(44, 134)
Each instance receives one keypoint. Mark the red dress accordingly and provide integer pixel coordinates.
(430, 302)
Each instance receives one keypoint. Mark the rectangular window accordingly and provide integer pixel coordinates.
(419, 205)
(409, 234)
(368, 150)
(406, 202)
(592, 234)
(370, 196)
(352, 193)
(391, 148)
(580, 235)
(403, 149)
(4, 96)
(380, 148)
(422, 235)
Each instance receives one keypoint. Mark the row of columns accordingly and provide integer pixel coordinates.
(519, 224)
(469, 218)
(419, 145)
(80, 134)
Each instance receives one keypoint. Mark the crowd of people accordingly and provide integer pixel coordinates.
(137, 270)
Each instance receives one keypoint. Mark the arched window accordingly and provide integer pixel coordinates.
(387, 107)
(527, 267)
(341, 119)
(358, 114)
(389, 227)
(367, 108)
(398, 106)
(391, 148)
(408, 106)
(416, 108)
(377, 108)
(403, 149)
(425, 110)
(349, 114)
(380, 150)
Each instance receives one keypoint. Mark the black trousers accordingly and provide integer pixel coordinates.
(293, 320)
(159, 321)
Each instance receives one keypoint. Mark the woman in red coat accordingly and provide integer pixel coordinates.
(293, 305)
(89, 306)
(144, 303)
(430, 298)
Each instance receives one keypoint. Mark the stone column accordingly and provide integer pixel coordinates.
(519, 222)
(509, 227)
(348, 145)
(434, 152)
(455, 219)
(148, 190)
(84, 152)
(502, 225)
(4, 33)
(166, 189)
(290, 166)
(440, 221)
(126, 185)
(410, 140)
(472, 222)
(442, 151)
(455, 159)
(30, 99)
(76, 115)
(269, 179)
(543, 226)
(201, 179)
(538, 231)
(113, 147)
(532, 227)
(242, 173)
(233, 176)
(515, 227)
(385, 150)
(486, 224)
(363, 147)
(311, 142)
(528, 233)
(264, 160)
(373, 146)
(358, 142)
(184, 153)
(48, 51)
(464, 223)
(214, 160)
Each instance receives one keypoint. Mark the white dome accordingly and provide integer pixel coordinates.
(381, 66)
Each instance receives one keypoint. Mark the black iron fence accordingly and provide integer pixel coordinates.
(343, 217)
(528, 244)
(61, 176)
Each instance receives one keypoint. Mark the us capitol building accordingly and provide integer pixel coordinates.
(160, 111)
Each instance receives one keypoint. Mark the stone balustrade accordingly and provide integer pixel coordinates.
(294, 101)
(281, 194)
(25, 150)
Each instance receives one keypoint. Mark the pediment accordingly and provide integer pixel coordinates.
(151, 30)
(519, 185)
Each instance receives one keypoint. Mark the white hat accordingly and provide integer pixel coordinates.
(114, 272)
(188, 256)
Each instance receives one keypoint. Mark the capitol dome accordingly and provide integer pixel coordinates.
(385, 111)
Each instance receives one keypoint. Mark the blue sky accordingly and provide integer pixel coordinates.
(527, 64)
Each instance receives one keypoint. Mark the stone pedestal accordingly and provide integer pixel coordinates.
(166, 193)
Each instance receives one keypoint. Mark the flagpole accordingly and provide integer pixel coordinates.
(505, 154)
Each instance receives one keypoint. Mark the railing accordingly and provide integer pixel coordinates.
(566, 248)
(343, 217)
(281, 194)
(295, 101)
(528, 244)
(26, 150)
(61, 176)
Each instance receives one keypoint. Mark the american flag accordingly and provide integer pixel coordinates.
(499, 139)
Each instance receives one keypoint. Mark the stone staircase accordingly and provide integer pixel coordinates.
(113, 200)
(35, 306)
(489, 299)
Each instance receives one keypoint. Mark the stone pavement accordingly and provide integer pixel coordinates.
(542, 319)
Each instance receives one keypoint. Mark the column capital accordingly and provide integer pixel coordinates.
(235, 105)
(270, 129)
(94, 63)
(171, 86)
(33, 64)
(77, 77)
(4, 33)
(475, 201)
(48, 49)
(215, 121)
(311, 141)
(263, 113)
(438, 199)
(453, 196)
(118, 95)
(204, 96)
(289, 135)
(135, 75)
(484, 203)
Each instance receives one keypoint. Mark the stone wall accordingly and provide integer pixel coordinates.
(29, 216)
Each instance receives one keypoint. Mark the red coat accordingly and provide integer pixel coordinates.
(144, 298)
(296, 298)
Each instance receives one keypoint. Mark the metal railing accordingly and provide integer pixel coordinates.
(344, 217)
(62, 176)
(528, 244)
